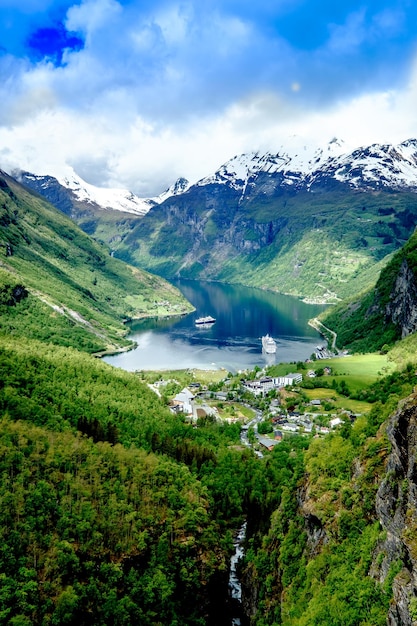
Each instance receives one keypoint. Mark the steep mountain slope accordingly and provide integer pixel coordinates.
(384, 314)
(130, 519)
(341, 545)
(106, 214)
(57, 284)
(300, 226)
(312, 222)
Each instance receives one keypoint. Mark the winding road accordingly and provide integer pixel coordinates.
(323, 330)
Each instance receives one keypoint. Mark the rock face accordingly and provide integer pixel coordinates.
(396, 506)
(402, 308)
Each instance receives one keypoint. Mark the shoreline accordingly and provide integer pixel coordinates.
(134, 344)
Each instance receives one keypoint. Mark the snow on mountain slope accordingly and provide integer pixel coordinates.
(376, 166)
(180, 186)
(103, 197)
(116, 199)
(294, 159)
(296, 165)
(372, 167)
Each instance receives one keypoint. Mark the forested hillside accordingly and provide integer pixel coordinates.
(59, 285)
(116, 511)
(381, 316)
(319, 245)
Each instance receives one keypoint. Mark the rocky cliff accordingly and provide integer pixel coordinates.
(396, 506)
(402, 306)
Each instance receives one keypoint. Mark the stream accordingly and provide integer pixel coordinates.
(235, 588)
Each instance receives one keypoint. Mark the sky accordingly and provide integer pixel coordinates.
(136, 93)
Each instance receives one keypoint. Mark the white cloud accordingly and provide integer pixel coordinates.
(91, 15)
(177, 92)
(146, 158)
(348, 37)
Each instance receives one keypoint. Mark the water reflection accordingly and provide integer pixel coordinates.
(242, 315)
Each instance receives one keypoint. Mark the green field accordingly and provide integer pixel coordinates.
(340, 402)
(360, 369)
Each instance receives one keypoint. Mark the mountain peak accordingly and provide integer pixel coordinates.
(370, 167)
(180, 186)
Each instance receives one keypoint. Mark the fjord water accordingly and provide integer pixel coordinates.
(243, 315)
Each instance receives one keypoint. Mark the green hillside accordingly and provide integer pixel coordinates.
(101, 521)
(320, 245)
(379, 317)
(59, 285)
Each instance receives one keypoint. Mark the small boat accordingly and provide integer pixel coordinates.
(205, 320)
(268, 344)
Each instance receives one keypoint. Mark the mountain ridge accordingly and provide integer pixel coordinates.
(304, 222)
(80, 192)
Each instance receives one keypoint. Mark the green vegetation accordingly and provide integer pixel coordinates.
(311, 566)
(71, 286)
(113, 510)
(323, 246)
(378, 318)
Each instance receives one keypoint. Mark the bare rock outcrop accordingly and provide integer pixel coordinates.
(396, 506)
(402, 307)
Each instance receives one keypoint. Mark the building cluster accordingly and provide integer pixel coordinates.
(261, 386)
(284, 422)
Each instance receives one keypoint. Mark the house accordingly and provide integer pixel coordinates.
(260, 386)
(183, 401)
(335, 422)
(288, 379)
(253, 386)
(267, 383)
(277, 434)
(267, 443)
(290, 427)
(315, 402)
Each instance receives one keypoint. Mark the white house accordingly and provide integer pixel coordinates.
(288, 379)
(183, 400)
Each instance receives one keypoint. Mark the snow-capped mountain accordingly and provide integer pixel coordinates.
(180, 186)
(294, 164)
(277, 220)
(296, 167)
(70, 188)
(374, 167)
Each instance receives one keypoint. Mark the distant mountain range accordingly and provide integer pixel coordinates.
(71, 191)
(370, 168)
(301, 221)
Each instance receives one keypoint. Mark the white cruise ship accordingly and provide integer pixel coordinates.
(269, 344)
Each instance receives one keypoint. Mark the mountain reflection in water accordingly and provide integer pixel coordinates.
(243, 315)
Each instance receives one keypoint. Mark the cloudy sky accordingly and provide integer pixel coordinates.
(135, 93)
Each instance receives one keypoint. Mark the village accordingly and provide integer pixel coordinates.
(268, 408)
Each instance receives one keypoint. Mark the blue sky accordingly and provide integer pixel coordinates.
(136, 93)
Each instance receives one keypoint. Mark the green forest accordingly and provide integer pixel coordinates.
(115, 511)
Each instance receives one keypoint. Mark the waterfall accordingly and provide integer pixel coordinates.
(235, 588)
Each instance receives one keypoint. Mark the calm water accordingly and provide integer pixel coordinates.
(243, 315)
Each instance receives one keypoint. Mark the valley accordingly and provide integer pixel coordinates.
(117, 509)
(233, 342)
